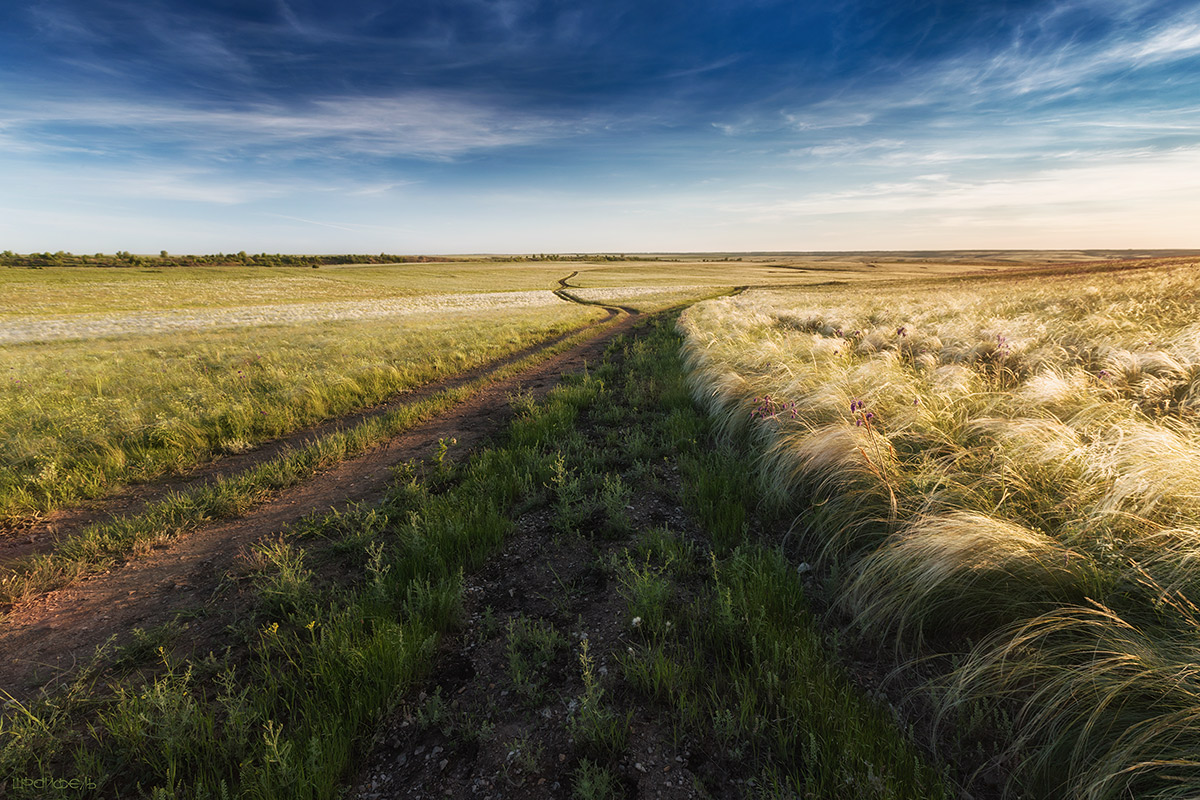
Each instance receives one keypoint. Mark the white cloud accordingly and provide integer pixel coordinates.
(1031, 66)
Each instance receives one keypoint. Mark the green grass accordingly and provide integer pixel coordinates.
(531, 646)
(725, 638)
(319, 664)
(746, 661)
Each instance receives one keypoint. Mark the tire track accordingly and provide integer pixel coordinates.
(43, 637)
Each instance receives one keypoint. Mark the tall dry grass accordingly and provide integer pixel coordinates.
(1007, 469)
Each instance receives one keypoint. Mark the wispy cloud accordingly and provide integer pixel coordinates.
(517, 116)
(1057, 63)
(425, 124)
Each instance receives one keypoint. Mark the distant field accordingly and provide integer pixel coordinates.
(55, 291)
(71, 290)
(91, 326)
(1006, 468)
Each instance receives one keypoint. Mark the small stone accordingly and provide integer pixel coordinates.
(638, 766)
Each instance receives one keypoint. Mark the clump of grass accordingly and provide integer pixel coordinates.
(842, 473)
(286, 586)
(530, 647)
(594, 782)
(963, 574)
(1107, 708)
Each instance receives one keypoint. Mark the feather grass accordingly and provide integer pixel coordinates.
(1025, 493)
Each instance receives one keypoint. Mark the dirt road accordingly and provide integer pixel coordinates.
(42, 637)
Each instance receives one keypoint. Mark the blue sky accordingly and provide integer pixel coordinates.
(628, 125)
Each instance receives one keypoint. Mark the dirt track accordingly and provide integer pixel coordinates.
(47, 634)
(42, 535)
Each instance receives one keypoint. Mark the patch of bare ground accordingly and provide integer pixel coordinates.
(477, 728)
(492, 722)
(45, 636)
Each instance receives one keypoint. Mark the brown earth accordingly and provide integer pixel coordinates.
(470, 731)
(45, 636)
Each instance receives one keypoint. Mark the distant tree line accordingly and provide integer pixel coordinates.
(123, 258)
(578, 257)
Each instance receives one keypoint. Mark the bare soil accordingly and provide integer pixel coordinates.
(470, 731)
(42, 638)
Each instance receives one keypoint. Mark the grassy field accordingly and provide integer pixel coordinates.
(146, 370)
(53, 291)
(72, 290)
(339, 620)
(79, 418)
(1002, 470)
(980, 467)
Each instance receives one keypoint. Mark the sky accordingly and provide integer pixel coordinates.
(513, 126)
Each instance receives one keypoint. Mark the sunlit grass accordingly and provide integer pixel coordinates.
(58, 290)
(79, 418)
(1007, 468)
(71, 290)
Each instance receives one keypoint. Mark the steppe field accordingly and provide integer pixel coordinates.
(814, 525)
